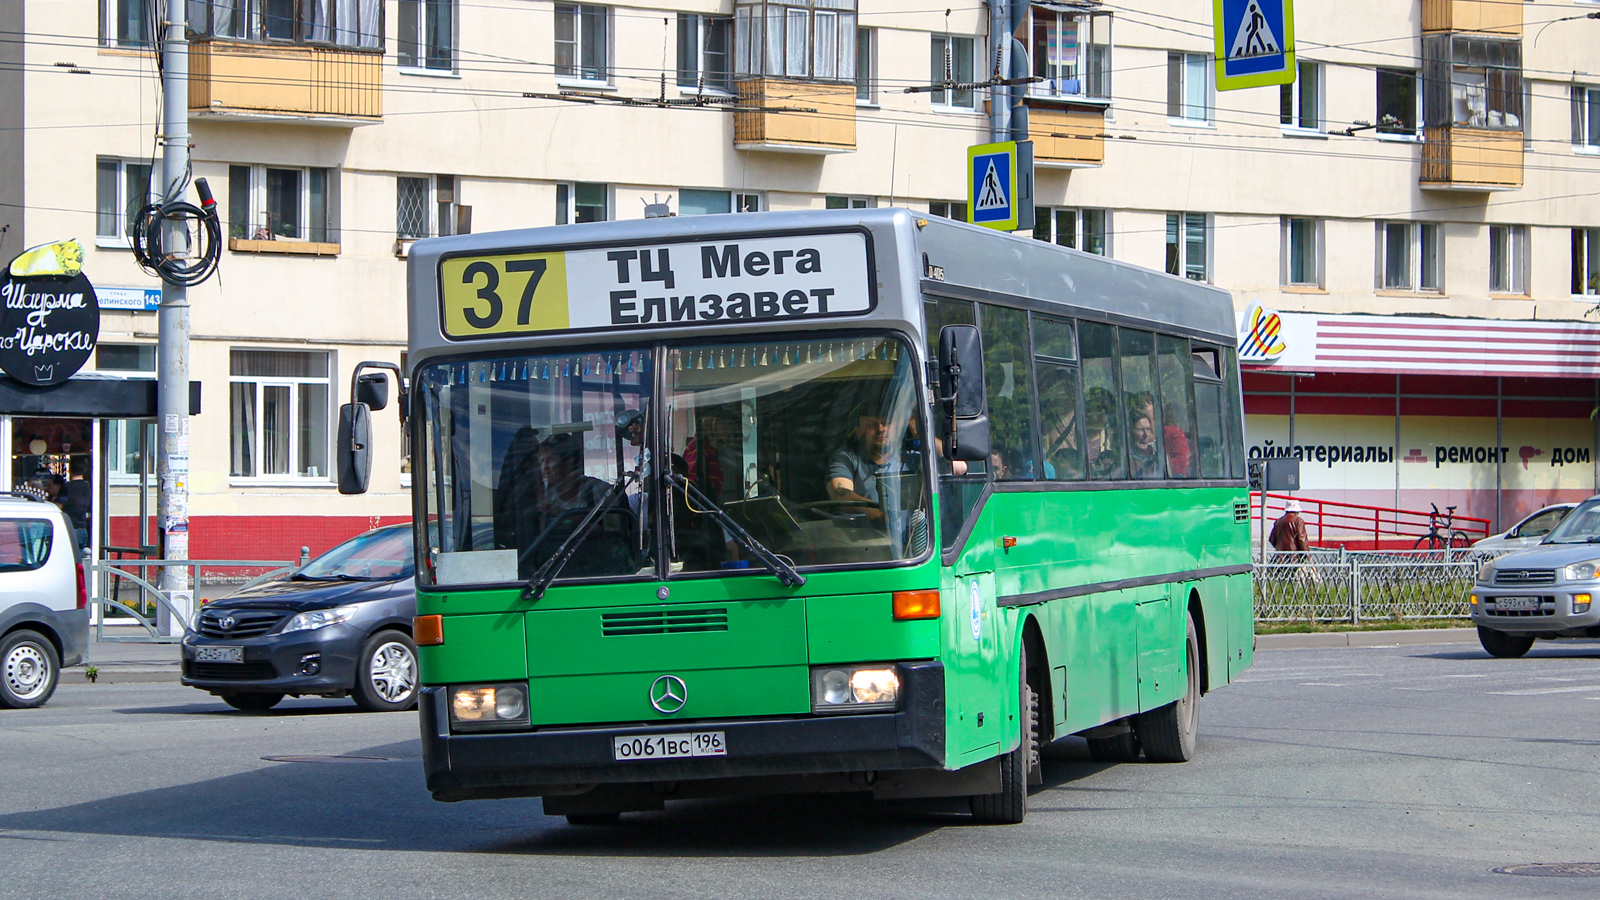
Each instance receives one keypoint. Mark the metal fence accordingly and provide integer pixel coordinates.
(1336, 585)
(136, 598)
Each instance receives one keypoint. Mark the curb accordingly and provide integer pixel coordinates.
(1366, 639)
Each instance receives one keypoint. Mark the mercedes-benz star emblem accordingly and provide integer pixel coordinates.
(668, 694)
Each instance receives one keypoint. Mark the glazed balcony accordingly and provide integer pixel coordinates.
(271, 83)
(1066, 138)
(770, 116)
(1471, 159)
(1492, 16)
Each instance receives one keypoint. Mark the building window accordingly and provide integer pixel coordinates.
(278, 401)
(355, 24)
(1471, 82)
(806, 39)
(125, 454)
(583, 42)
(582, 202)
(693, 202)
(704, 52)
(1085, 229)
(838, 202)
(425, 206)
(269, 203)
(1508, 259)
(1409, 256)
(122, 188)
(1300, 103)
(866, 64)
(427, 34)
(948, 209)
(128, 23)
(951, 61)
(1189, 87)
(1302, 252)
(1397, 102)
(1586, 261)
(1586, 117)
(1187, 250)
(1072, 52)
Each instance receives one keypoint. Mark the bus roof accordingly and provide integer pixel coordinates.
(877, 265)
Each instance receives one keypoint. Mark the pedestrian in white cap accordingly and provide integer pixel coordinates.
(1289, 532)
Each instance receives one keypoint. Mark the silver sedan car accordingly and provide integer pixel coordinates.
(1547, 591)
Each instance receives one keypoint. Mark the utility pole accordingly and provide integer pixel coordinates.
(172, 352)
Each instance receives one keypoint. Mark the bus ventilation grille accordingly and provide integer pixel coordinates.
(677, 621)
(1241, 511)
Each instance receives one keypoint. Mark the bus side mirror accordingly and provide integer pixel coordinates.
(964, 424)
(372, 388)
(355, 439)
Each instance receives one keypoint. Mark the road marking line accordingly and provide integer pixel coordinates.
(1571, 689)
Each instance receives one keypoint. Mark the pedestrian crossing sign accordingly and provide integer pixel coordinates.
(1255, 42)
(992, 185)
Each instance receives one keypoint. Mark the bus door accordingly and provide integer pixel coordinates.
(1160, 645)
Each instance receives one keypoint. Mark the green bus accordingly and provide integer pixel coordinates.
(822, 501)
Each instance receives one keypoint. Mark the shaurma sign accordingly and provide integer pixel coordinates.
(49, 315)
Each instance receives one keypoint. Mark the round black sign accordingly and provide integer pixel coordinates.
(48, 327)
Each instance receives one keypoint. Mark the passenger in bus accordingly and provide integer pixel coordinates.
(1103, 462)
(1142, 460)
(519, 492)
(566, 487)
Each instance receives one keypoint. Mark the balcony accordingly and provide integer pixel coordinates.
(767, 118)
(1493, 16)
(1471, 159)
(266, 83)
(1066, 138)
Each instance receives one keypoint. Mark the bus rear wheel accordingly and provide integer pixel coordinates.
(1010, 806)
(1168, 733)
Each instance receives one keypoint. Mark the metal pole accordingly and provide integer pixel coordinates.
(172, 354)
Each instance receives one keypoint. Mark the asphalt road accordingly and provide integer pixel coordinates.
(1356, 772)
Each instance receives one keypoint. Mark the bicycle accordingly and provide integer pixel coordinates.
(1448, 539)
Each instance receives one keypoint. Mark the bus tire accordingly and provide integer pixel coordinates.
(1504, 646)
(1168, 733)
(1119, 748)
(1010, 806)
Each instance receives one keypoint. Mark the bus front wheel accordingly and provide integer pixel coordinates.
(1010, 806)
(1168, 733)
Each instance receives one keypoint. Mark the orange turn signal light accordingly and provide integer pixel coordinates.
(916, 604)
(427, 631)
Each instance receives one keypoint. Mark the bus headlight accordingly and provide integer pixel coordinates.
(488, 707)
(1583, 571)
(848, 689)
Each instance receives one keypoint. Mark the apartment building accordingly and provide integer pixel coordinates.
(1416, 220)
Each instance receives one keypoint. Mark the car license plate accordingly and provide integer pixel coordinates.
(1517, 603)
(219, 654)
(669, 746)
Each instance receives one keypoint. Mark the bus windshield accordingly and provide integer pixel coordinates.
(814, 448)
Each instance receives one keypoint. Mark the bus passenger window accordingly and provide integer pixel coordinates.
(1058, 422)
(1103, 435)
(1006, 359)
(1138, 393)
(1174, 365)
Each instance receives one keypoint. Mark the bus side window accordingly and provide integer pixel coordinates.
(1231, 411)
(1103, 437)
(1007, 373)
(1139, 401)
(1060, 425)
(1210, 446)
(1174, 366)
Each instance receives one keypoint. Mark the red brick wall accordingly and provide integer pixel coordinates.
(257, 537)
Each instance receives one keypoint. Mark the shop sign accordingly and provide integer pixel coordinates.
(1261, 335)
(49, 315)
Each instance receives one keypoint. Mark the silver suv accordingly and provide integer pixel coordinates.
(1547, 591)
(44, 602)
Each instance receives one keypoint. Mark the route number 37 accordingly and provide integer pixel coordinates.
(501, 294)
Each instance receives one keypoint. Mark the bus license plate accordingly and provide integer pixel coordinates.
(219, 654)
(669, 746)
(1516, 603)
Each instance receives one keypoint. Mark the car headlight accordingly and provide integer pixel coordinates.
(846, 689)
(318, 618)
(1582, 571)
(489, 707)
(1486, 572)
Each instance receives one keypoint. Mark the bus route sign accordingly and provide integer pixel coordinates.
(1255, 42)
(783, 277)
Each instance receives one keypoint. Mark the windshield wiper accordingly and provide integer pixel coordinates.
(774, 563)
(546, 573)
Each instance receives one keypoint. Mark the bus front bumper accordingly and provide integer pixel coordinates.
(567, 760)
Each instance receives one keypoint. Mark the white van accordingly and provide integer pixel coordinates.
(44, 601)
